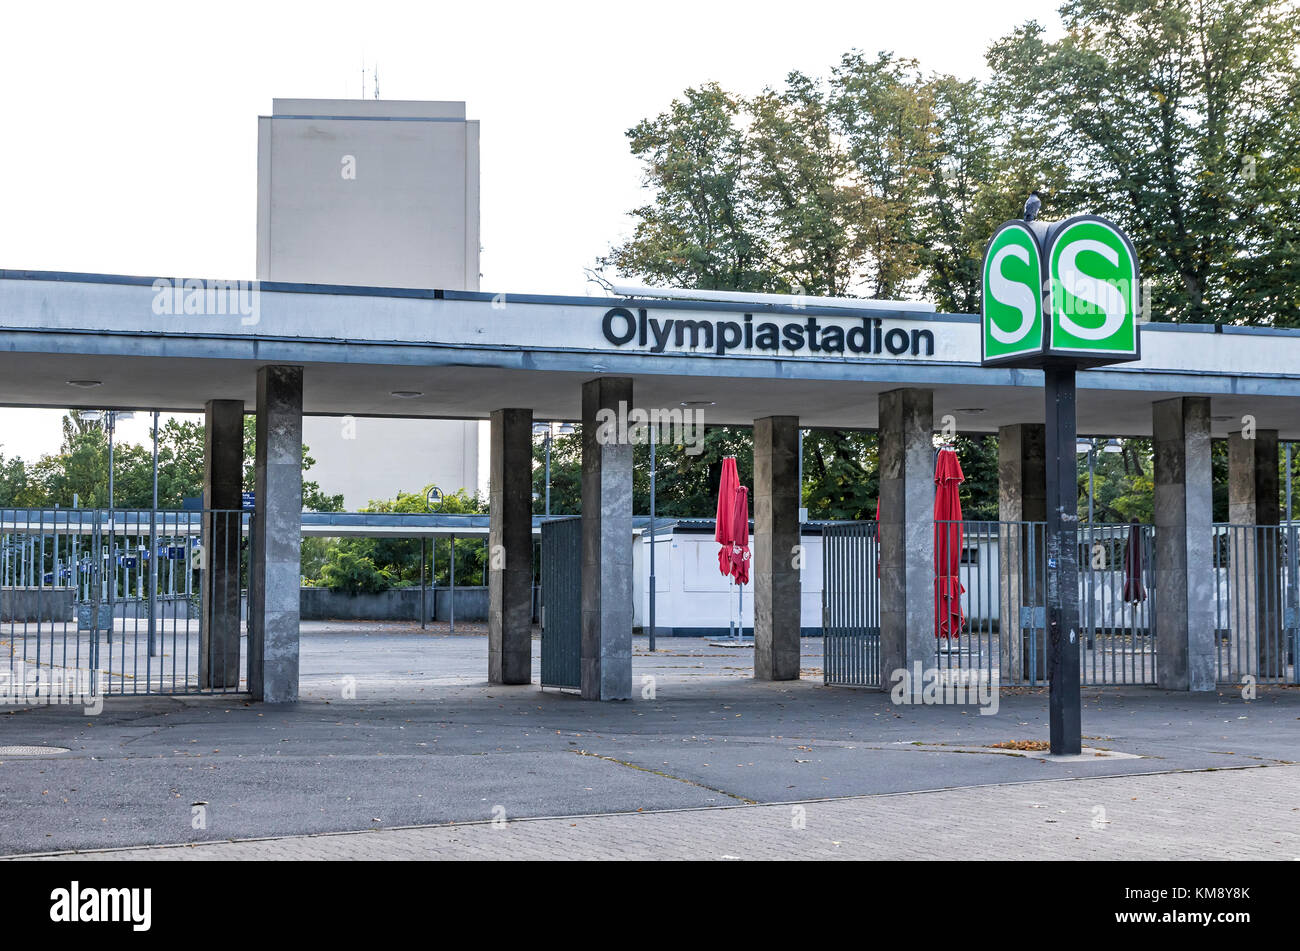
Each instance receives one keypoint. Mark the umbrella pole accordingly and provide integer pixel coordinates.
(735, 623)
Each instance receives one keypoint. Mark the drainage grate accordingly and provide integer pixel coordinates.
(30, 750)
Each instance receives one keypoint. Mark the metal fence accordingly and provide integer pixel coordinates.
(123, 602)
(1000, 568)
(991, 622)
(1255, 594)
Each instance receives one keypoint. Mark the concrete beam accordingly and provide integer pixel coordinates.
(1022, 497)
(1184, 578)
(510, 548)
(777, 586)
(273, 595)
(607, 589)
(1254, 555)
(219, 595)
(906, 531)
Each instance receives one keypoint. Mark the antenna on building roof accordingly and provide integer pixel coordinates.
(376, 80)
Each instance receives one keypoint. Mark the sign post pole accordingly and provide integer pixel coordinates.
(1059, 298)
(1065, 728)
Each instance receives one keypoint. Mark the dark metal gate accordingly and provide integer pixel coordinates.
(1256, 619)
(562, 603)
(1001, 638)
(96, 602)
(851, 605)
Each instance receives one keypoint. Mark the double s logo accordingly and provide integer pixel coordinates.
(1067, 290)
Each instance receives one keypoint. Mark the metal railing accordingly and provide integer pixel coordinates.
(1255, 594)
(126, 601)
(990, 602)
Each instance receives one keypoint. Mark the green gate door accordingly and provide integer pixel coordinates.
(562, 603)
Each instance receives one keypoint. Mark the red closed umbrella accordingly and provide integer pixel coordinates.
(1134, 590)
(948, 477)
(724, 531)
(740, 537)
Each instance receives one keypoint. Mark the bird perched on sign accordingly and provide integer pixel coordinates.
(1034, 202)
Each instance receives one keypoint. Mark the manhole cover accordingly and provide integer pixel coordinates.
(30, 750)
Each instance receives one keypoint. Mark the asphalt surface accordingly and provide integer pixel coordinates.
(427, 741)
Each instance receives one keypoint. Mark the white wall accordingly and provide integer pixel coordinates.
(693, 593)
(378, 193)
(385, 456)
(368, 192)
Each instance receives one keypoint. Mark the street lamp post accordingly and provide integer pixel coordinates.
(653, 440)
(153, 554)
(432, 497)
(548, 469)
(547, 430)
(110, 422)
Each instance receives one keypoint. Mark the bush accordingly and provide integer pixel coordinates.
(346, 572)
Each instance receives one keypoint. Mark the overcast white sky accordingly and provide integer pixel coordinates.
(128, 133)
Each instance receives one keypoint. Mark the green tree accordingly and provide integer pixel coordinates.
(382, 563)
(883, 113)
(959, 211)
(812, 209)
(79, 470)
(700, 230)
(841, 479)
(313, 498)
(13, 481)
(1178, 119)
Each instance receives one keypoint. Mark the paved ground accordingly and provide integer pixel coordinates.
(1166, 816)
(425, 741)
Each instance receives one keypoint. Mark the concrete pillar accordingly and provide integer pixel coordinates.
(777, 586)
(274, 589)
(1022, 497)
(510, 548)
(906, 531)
(1184, 569)
(219, 595)
(607, 589)
(1254, 555)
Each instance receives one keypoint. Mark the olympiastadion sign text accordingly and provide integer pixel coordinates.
(862, 336)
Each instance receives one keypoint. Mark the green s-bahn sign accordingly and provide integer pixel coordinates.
(1062, 293)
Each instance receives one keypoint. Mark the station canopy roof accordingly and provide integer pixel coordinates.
(120, 342)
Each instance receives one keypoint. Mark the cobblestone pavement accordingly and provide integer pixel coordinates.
(1250, 813)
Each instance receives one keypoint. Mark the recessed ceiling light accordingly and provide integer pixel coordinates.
(695, 404)
(85, 384)
(406, 394)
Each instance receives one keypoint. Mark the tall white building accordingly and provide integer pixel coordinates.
(377, 193)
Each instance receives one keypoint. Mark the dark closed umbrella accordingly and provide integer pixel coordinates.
(1134, 591)
(948, 589)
